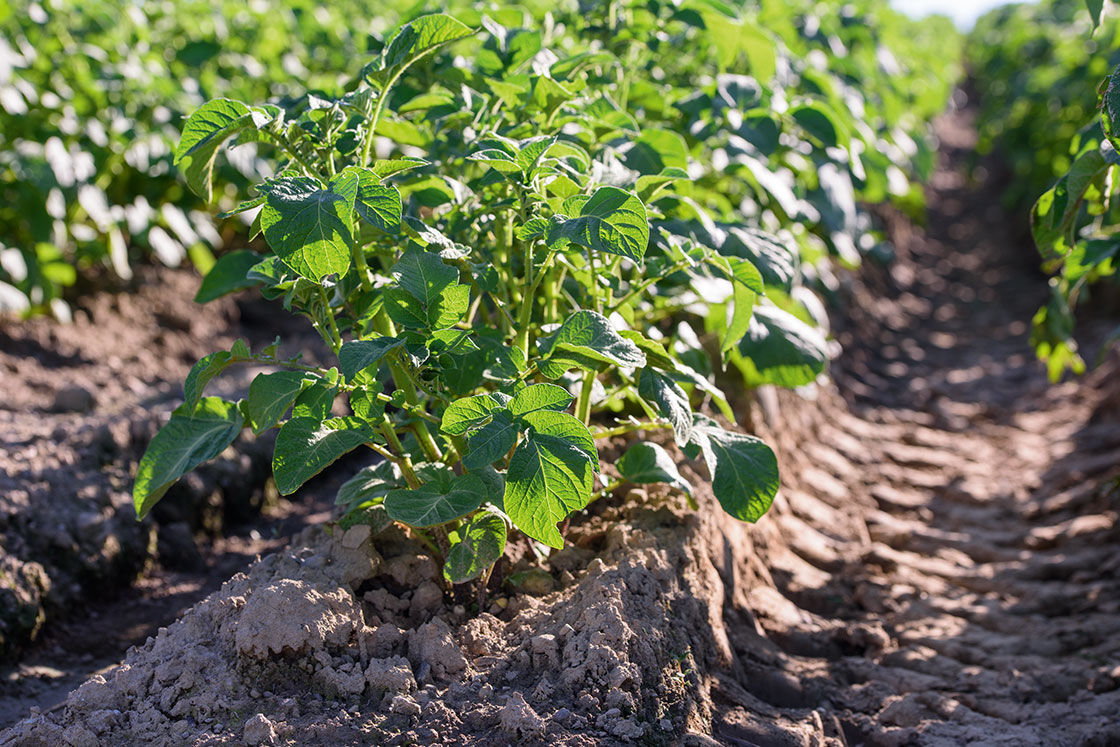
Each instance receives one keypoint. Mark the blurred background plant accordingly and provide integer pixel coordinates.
(808, 110)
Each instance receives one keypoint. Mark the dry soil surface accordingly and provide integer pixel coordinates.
(941, 569)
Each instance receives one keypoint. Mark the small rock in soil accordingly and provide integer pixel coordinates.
(518, 719)
(259, 731)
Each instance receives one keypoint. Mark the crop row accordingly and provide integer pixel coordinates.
(522, 236)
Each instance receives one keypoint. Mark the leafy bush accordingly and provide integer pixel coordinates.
(1068, 162)
(91, 95)
(507, 249)
(1057, 88)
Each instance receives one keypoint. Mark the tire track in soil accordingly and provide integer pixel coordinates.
(986, 596)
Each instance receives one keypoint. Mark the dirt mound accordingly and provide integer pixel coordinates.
(941, 568)
(348, 639)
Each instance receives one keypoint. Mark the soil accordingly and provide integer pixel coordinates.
(80, 403)
(942, 567)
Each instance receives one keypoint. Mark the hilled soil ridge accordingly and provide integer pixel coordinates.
(942, 568)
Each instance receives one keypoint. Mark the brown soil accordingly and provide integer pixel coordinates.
(942, 568)
(80, 403)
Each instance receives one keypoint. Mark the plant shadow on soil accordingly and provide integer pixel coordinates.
(941, 568)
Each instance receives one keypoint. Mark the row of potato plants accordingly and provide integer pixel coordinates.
(92, 95)
(521, 236)
(1057, 124)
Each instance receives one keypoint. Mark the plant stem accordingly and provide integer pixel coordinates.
(405, 462)
(596, 302)
(583, 404)
(640, 287)
(403, 379)
(336, 339)
(357, 253)
(622, 430)
(610, 488)
(371, 131)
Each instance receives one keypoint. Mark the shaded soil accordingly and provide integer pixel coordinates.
(941, 568)
(81, 401)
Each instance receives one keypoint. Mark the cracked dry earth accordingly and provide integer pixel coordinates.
(941, 568)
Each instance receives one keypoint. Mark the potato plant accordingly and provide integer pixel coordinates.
(1074, 222)
(496, 310)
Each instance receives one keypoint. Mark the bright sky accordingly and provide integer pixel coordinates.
(964, 12)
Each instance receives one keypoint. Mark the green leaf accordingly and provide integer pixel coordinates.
(386, 168)
(468, 413)
(358, 355)
(186, 441)
(366, 404)
(434, 504)
(204, 132)
(429, 294)
(371, 483)
(539, 397)
(452, 342)
(480, 544)
(566, 427)
(424, 275)
(306, 446)
(612, 221)
(309, 227)
(208, 367)
(649, 186)
(315, 401)
(646, 462)
(655, 352)
(747, 285)
(772, 258)
(418, 38)
(497, 159)
(656, 150)
(1110, 108)
(734, 36)
(377, 204)
(744, 470)
(670, 399)
(229, 274)
(781, 349)
(587, 340)
(817, 120)
(491, 442)
(270, 396)
(1096, 8)
(547, 479)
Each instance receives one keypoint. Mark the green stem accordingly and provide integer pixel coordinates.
(527, 303)
(583, 404)
(405, 462)
(640, 287)
(336, 339)
(622, 430)
(403, 379)
(357, 253)
(371, 131)
(596, 302)
(610, 488)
